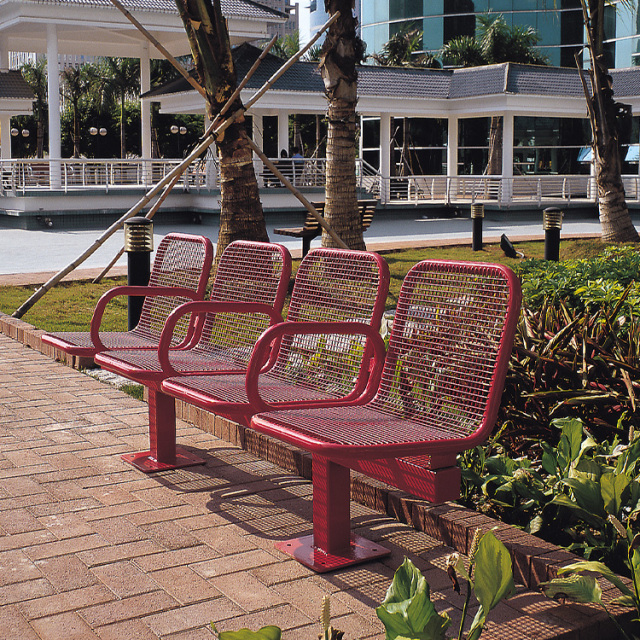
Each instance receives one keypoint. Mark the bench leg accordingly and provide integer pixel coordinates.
(163, 453)
(306, 245)
(332, 546)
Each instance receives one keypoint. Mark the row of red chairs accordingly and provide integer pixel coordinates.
(323, 380)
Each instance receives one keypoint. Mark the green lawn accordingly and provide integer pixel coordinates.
(68, 306)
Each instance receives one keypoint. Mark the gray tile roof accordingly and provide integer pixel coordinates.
(411, 83)
(241, 8)
(626, 82)
(544, 81)
(13, 85)
(478, 81)
(427, 84)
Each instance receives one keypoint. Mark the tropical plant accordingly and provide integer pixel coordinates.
(122, 81)
(408, 613)
(585, 588)
(608, 120)
(36, 76)
(76, 85)
(403, 50)
(495, 42)
(341, 52)
(241, 215)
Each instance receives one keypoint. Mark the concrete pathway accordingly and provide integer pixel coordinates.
(53, 249)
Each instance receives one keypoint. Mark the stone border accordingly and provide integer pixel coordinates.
(534, 560)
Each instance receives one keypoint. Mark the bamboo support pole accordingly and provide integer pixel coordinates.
(307, 205)
(152, 212)
(181, 70)
(176, 171)
(170, 186)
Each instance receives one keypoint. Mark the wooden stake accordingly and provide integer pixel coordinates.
(308, 206)
(177, 171)
(149, 216)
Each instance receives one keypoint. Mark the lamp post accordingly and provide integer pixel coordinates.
(178, 131)
(552, 223)
(477, 215)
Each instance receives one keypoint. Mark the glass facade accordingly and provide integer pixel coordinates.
(559, 23)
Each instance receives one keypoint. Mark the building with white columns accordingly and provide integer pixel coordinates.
(98, 28)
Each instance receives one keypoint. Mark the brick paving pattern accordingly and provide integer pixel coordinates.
(91, 548)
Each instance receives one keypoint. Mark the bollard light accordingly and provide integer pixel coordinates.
(552, 224)
(138, 243)
(477, 214)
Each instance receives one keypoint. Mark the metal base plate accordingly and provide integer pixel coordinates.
(303, 550)
(143, 461)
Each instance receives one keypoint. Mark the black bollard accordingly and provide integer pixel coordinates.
(552, 223)
(477, 214)
(138, 243)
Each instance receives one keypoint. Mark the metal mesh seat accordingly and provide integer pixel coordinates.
(179, 274)
(438, 394)
(304, 362)
(247, 296)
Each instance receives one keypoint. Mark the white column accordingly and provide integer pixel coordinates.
(258, 130)
(283, 131)
(507, 157)
(452, 147)
(5, 136)
(385, 155)
(145, 105)
(53, 76)
(4, 53)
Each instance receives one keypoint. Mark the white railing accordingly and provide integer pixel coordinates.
(36, 176)
(536, 190)
(21, 177)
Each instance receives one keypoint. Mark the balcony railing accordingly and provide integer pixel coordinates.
(36, 176)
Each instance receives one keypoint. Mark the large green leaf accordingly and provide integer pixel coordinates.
(575, 587)
(564, 501)
(612, 486)
(597, 567)
(587, 495)
(493, 574)
(407, 611)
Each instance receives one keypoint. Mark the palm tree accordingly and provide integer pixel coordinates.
(495, 43)
(36, 77)
(341, 52)
(241, 215)
(122, 76)
(402, 49)
(76, 87)
(605, 118)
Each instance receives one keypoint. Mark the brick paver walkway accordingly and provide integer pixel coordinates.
(92, 548)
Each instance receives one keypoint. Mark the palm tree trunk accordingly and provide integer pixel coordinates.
(603, 110)
(341, 51)
(241, 215)
(123, 140)
(494, 163)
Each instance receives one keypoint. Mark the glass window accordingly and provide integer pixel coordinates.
(404, 9)
(419, 145)
(549, 145)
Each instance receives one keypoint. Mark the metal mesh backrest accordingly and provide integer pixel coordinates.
(255, 272)
(180, 261)
(446, 344)
(332, 285)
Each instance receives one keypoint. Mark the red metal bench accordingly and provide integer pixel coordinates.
(436, 395)
(179, 274)
(320, 355)
(251, 278)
